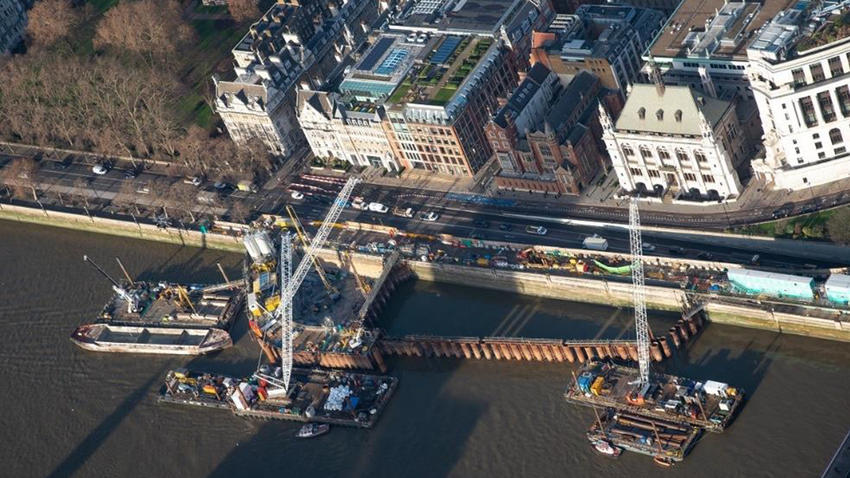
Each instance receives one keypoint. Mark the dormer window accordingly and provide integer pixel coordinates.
(659, 114)
(678, 116)
(642, 113)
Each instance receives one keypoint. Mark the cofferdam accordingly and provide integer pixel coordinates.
(73, 413)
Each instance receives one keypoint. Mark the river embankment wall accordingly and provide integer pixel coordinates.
(595, 289)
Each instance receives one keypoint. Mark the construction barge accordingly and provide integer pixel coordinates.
(163, 318)
(664, 440)
(708, 405)
(316, 396)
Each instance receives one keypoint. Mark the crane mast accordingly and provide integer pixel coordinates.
(291, 281)
(638, 291)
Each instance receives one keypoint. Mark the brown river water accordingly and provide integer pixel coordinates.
(68, 412)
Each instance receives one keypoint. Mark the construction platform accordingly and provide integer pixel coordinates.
(154, 304)
(321, 396)
(709, 405)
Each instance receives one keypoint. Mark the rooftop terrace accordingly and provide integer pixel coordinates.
(443, 71)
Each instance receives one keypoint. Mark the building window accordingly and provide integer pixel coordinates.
(808, 110)
(700, 156)
(678, 116)
(826, 107)
(690, 176)
(663, 154)
(835, 66)
(642, 113)
(628, 151)
(708, 178)
(682, 156)
(821, 155)
(799, 77)
(645, 153)
(653, 173)
(843, 94)
(818, 145)
(635, 172)
(835, 136)
(817, 72)
(840, 150)
(659, 114)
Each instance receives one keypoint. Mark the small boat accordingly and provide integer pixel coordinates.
(663, 461)
(607, 449)
(311, 430)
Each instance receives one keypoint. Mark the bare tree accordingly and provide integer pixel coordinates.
(153, 29)
(51, 20)
(243, 10)
(18, 175)
(240, 212)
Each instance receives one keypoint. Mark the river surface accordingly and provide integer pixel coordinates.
(68, 412)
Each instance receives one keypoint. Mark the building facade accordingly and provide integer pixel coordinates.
(13, 21)
(606, 40)
(294, 45)
(675, 140)
(542, 137)
(350, 131)
(801, 84)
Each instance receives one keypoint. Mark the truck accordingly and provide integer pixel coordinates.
(247, 186)
(403, 212)
(596, 243)
(538, 230)
(377, 207)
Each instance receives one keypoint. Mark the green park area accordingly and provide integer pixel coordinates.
(832, 225)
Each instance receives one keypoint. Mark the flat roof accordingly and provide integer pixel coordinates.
(714, 29)
(473, 16)
(385, 64)
(440, 76)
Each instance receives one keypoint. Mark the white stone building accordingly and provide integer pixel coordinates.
(676, 140)
(13, 20)
(294, 45)
(801, 84)
(350, 131)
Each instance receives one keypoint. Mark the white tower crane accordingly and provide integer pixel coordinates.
(290, 282)
(638, 292)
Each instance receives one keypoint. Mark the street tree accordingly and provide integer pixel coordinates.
(18, 175)
(51, 20)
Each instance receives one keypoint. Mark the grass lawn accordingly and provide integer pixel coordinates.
(809, 226)
(443, 95)
(400, 92)
(209, 54)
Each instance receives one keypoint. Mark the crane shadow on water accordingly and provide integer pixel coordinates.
(90, 444)
(422, 415)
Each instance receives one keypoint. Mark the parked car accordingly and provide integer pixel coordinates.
(296, 195)
(377, 207)
(538, 230)
(100, 168)
(505, 227)
(194, 181)
(132, 173)
(64, 164)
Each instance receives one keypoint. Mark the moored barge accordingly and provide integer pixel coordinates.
(318, 396)
(709, 405)
(150, 340)
(662, 439)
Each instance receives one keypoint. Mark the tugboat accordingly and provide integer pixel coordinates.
(605, 448)
(311, 430)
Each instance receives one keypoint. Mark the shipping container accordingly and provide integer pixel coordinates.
(838, 289)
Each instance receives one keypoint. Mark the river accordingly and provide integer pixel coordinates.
(72, 412)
